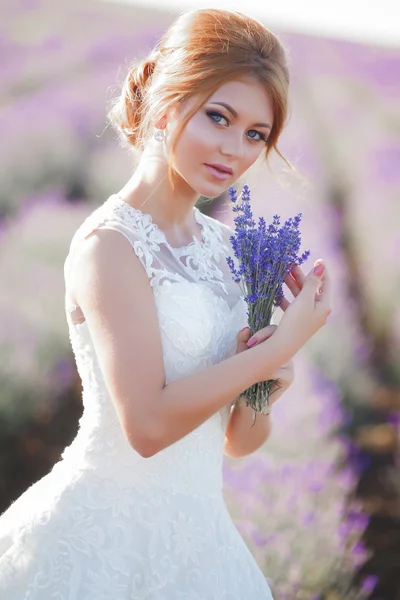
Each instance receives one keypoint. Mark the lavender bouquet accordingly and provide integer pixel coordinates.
(264, 256)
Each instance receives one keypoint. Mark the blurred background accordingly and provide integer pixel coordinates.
(319, 505)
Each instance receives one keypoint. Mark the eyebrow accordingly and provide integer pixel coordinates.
(234, 113)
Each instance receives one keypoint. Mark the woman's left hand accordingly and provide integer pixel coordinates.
(284, 376)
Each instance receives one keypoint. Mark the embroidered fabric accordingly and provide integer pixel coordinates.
(106, 523)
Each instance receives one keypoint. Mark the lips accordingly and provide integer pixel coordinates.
(221, 168)
(219, 172)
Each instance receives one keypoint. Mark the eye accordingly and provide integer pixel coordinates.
(217, 117)
(252, 137)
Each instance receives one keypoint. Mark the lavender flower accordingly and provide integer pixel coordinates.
(264, 255)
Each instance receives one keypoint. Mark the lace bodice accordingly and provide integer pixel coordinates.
(107, 523)
(200, 310)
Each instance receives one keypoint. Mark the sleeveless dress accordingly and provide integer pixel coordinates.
(107, 523)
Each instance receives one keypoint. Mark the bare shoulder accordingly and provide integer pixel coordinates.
(113, 290)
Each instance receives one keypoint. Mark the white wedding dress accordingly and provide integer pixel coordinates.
(106, 523)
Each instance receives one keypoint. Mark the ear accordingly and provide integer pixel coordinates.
(162, 123)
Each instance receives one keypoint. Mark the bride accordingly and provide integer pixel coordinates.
(134, 509)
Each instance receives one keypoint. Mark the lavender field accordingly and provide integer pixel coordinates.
(319, 505)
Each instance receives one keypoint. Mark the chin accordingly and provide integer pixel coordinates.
(210, 190)
(204, 186)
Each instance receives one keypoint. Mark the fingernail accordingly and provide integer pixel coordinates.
(243, 329)
(319, 269)
(252, 341)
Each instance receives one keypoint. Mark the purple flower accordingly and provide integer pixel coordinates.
(264, 256)
(369, 584)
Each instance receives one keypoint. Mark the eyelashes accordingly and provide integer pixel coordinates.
(213, 114)
(216, 117)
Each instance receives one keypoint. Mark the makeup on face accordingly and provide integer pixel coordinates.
(219, 171)
(224, 138)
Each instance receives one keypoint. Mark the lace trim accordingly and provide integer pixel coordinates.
(148, 220)
(201, 256)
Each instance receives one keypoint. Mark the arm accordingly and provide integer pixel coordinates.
(197, 397)
(242, 437)
(119, 306)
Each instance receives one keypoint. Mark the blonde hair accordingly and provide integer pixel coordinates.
(201, 50)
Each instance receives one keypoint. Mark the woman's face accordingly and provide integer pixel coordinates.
(230, 131)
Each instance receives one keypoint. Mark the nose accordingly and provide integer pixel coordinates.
(232, 145)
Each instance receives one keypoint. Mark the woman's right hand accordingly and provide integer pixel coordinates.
(309, 310)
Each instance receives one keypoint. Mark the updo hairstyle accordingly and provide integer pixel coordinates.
(201, 50)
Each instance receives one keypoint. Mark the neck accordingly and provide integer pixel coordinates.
(150, 190)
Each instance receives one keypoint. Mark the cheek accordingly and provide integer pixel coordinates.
(252, 153)
(195, 144)
(198, 133)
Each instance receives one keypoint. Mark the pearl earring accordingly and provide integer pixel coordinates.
(159, 135)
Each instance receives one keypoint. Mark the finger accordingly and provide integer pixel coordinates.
(299, 275)
(313, 280)
(245, 330)
(262, 335)
(284, 304)
(241, 339)
(244, 335)
(324, 297)
(292, 285)
(325, 288)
